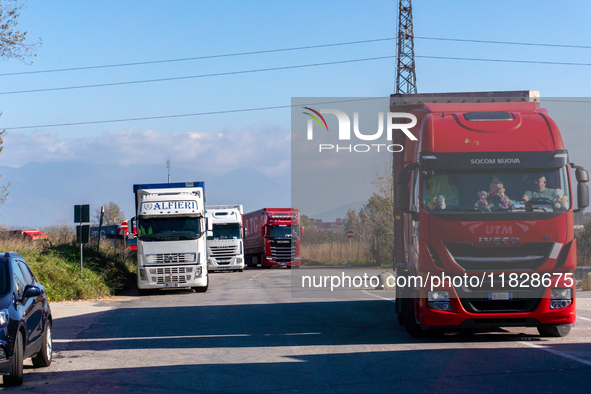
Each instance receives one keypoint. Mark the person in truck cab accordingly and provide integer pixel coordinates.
(540, 190)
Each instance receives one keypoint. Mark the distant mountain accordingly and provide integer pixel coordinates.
(340, 212)
(43, 194)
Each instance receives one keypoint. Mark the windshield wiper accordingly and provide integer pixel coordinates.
(462, 209)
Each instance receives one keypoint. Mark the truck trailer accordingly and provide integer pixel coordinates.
(225, 249)
(484, 204)
(273, 237)
(171, 236)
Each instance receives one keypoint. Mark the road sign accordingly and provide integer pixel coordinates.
(82, 234)
(81, 213)
(350, 234)
(123, 226)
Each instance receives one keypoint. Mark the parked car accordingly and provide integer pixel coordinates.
(25, 319)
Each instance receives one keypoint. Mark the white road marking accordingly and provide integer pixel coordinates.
(558, 353)
(374, 295)
(583, 318)
(257, 275)
(147, 338)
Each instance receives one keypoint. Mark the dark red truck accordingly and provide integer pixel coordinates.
(484, 204)
(272, 237)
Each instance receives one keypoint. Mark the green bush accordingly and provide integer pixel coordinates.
(105, 273)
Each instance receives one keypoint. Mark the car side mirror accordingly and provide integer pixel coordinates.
(31, 291)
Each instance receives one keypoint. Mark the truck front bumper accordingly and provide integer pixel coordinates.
(459, 317)
(235, 263)
(162, 277)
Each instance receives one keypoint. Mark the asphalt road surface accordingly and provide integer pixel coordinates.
(247, 334)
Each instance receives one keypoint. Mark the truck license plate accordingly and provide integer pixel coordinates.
(172, 284)
(282, 263)
(499, 296)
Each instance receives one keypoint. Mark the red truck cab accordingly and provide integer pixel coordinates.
(272, 237)
(484, 196)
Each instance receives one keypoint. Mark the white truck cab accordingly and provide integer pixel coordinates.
(171, 236)
(225, 249)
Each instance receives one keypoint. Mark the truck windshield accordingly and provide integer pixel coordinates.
(282, 231)
(169, 229)
(226, 231)
(447, 192)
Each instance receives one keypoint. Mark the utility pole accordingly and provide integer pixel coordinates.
(168, 167)
(406, 83)
(406, 78)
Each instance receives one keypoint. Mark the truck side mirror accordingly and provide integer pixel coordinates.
(262, 231)
(582, 175)
(403, 177)
(209, 226)
(582, 196)
(302, 231)
(245, 232)
(403, 198)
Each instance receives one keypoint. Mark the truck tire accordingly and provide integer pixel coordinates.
(408, 319)
(554, 332)
(145, 292)
(44, 357)
(15, 378)
(262, 259)
(202, 289)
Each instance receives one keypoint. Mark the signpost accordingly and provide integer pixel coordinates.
(82, 215)
(124, 229)
(350, 235)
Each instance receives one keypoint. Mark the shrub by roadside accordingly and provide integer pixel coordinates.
(105, 273)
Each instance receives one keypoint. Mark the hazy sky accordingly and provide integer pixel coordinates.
(84, 33)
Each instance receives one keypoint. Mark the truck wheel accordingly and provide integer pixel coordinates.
(554, 332)
(202, 289)
(408, 319)
(145, 292)
(241, 270)
(16, 372)
(43, 358)
(262, 257)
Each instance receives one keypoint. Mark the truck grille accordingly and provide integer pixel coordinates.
(172, 279)
(170, 270)
(283, 250)
(476, 300)
(170, 258)
(222, 252)
(528, 257)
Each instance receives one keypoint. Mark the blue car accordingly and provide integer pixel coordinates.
(25, 319)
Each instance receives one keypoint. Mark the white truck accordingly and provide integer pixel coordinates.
(171, 233)
(225, 249)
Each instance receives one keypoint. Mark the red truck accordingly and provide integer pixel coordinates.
(272, 237)
(484, 205)
(31, 235)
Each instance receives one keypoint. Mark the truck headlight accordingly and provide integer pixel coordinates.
(560, 298)
(3, 317)
(438, 295)
(238, 260)
(143, 274)
(561, 294)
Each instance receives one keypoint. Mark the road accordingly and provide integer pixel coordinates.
(247, 334)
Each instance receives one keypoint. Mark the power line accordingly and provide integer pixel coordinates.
(188, 115)
(503, 60)
(201, 57)
(232, 111)
(504, 42)
(198, 76)
(289, 68)
(290, 49)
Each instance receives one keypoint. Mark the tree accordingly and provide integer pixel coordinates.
(12, 46)
(13, 43)
(113, 214)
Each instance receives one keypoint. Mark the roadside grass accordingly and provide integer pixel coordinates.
(106, 273)
(337, 254)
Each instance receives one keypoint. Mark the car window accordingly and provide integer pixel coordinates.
(27, 274)
(4, 278)
(19, 280)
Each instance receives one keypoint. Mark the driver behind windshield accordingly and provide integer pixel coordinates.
(540, 190)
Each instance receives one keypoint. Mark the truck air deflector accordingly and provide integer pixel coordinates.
(492, 160)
